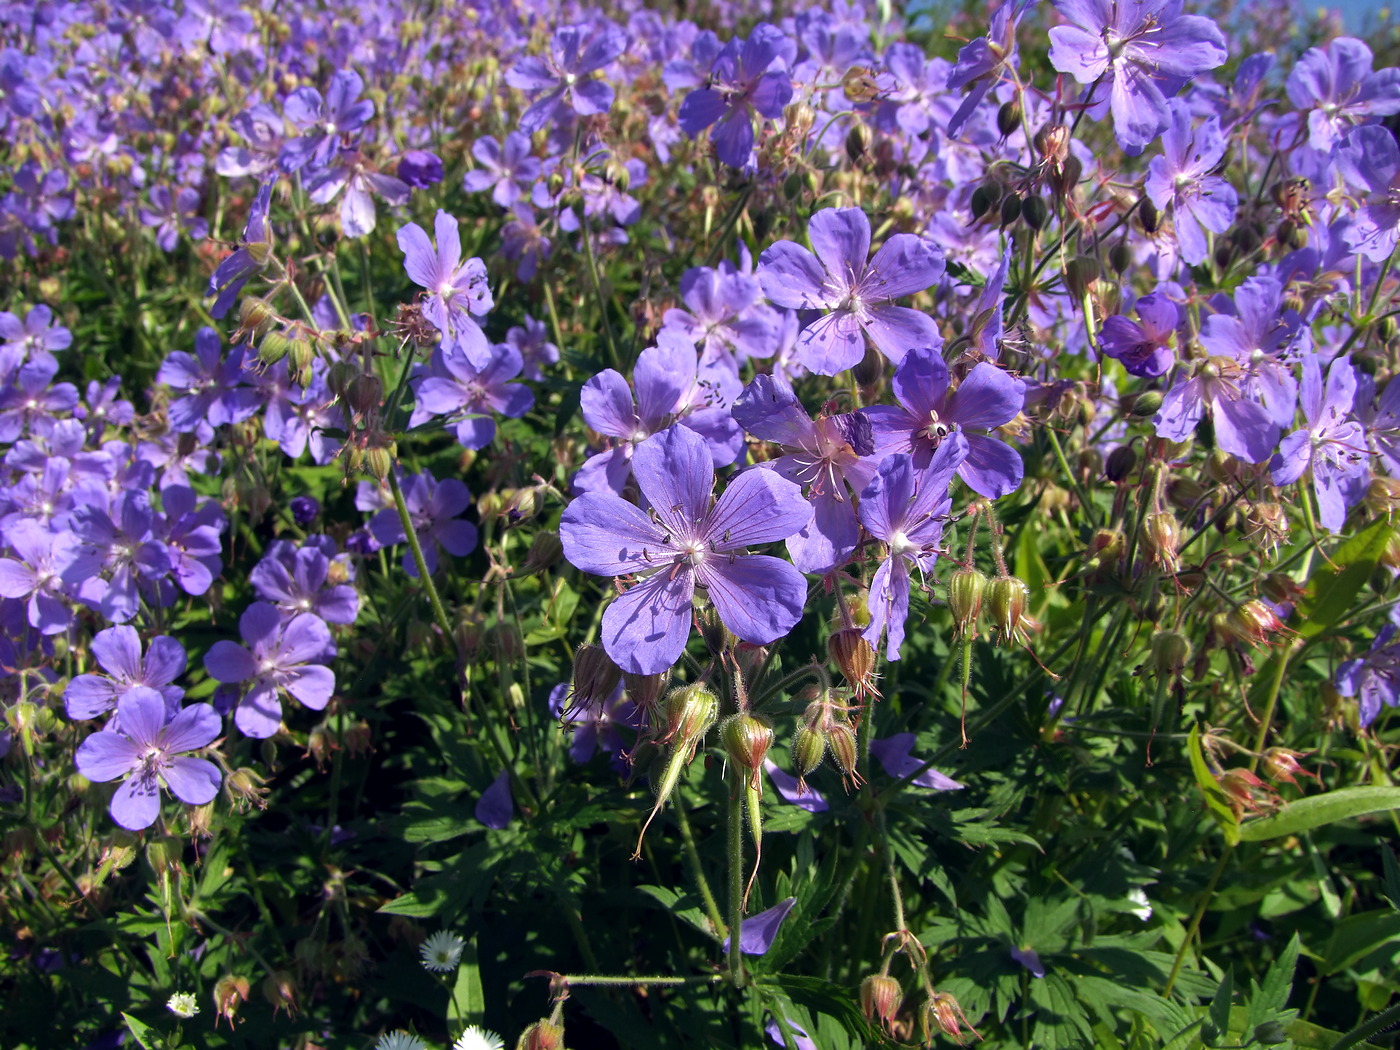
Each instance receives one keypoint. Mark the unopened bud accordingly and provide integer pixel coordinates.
(1171, 652)
(644, 690)
(280, 989)
(1383, 494)
(879, 998)
(690, 711)
(1281, 763)
(1007, 598)
(855, 657)
(808, 750)
(857, 142)
(542, 1035)
(1147, 404)
(870, 368)
(966, 588)
(364, 393)
(1009, 117)
(1079, 271)
(163, 854)
(746, 739)
(1148, 216)
(943, 1014)
(1010, 209)
(841, 738)
(339, 377)
(1253, 623)
(983, 197)
(230, 993)
(1120, 257)
(1121, 463)
(545, 551)
(793, 186)
(378, 462)
(1052, 143)
(1035, 212)
(1161, 537)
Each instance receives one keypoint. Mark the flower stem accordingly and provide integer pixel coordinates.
(439, 612)
(1196, 918)
(693, 855)
(736, 878)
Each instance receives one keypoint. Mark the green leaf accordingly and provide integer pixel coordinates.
(468, 1002)
(413, 906)
(147, 1036)
(1278, 982)
(1318, 810)
(1392, 877)
(1216, 800)
(1357, 936)
(1332, 591)
(681, 908)
(1220, 1005)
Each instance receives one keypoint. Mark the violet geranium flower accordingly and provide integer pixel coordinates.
(1374, 678)
(277, 658)
(1370, 162)
(1138, 53)
(118, 652)
(928, 413)
(455, 289)
(564, 75)
(1333, 445)
(742, 82)
(150, 751)
(906, 507)
(687, 543)
(758, 932)
(1182, 178)
(433, 507)
(856, 291)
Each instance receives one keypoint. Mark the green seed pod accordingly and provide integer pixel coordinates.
(1120, 257)
(870, 368)
(1122, 461)
(1009, 117)
(982, 201)
(793, 186)
(841, 738)
(1147, 404)
(1010, 209)
(1171, 652)
(1007, 598)
(857, 142)
(274, 346)
(746, 739)
(690, 711)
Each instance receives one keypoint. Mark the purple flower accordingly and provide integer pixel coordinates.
(305, 510)
(1374, 678)
(433, 507)
(1182, 178)
(928, 414)
(893, 754)
(455, 290)
(496, 807)
(686, 543)
(723, 316)
(531, 342)
(420, 168)
(1028, 958)
(297, 580)
(124, 543)
(801, 1040)
(1370, 162)
(33, 399)
(758, 932)
(508, 171)
(790, 789)
(279, 657)
(170, 213)
(669, 390)
(905, 507)
(1137, 53)
(983, 62)
(38, 577)
(323, 122)
(1144, 347)
(28, 340)
(361, 186)
(742, 81)
(827, 456)
(251, 257)
(213, 386)
(452, 385)
(1260, 335)
(564, 74)
(118, 652)
(192, 537)
(1336, 87)
(148, 752)
(597, 727)
(1242, 428)
(1333, 445)
(857, 292)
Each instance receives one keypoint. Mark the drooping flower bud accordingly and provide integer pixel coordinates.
(542, 1035)
(1253, 623)
(746, 739)
(230, 993)
(879, 998)
(966, 588)
(280, 989)
(1007, 599)
(808, 750)
(1171, 652)
(1121, 462)
(1281, 763)
(856, 659)
(943, 1014)
(1161, 537)
(644, 690)
(841, 738)
(690, 711)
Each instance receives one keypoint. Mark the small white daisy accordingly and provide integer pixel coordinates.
(442, 952)
(182, 1004)
(475, 1038)
(400, 1040)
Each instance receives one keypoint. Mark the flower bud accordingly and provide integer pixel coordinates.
(1253, 623)
(1160, 537)
(1007, 598)
(690, 711)
(1120, 257)
(857, 142)
(378, 462)
(230, 993)
(1281, 763)
(1121, 463)
(280, 989)
(1010, 209)
(542, 1035)
(163, 854)
(1009, 117)
(1079, 272)
(595, 679)
(943, 1014)
(1148, 216)
(1035, 212)
(808, 750)
(1052, 143)
(1171, 652)
(364, 393)
(870, 368)
(545, 551)
(856, 659)
(1148, 403)
(983, 197)
(879, 998)
(644, 690)
(746, 739)
(966, 588)
(841, 738)
(1382, 494)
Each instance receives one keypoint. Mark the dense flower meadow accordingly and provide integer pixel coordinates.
(715, 525)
